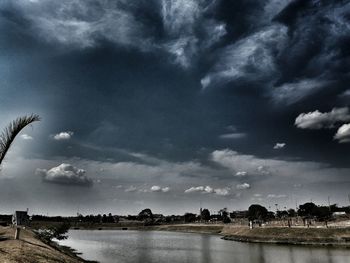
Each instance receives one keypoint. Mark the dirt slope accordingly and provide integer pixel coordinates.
(29, 249)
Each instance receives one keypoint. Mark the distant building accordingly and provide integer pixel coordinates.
(338, 214)
(20, 218)
(238, 214)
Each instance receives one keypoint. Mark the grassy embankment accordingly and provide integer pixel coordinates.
(29, 249)
(274, 235)
(296, 236)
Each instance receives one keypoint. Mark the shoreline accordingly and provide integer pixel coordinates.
(31, 249)
(322, 237)
(185, 228)
(291, 242)
(332, 237)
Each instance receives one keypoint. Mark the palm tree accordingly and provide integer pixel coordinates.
(12, 130)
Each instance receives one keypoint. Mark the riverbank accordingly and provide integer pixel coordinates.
(187, 228)
(289, 236)
(30, 249)
(274, 235)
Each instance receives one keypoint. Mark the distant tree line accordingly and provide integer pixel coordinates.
(255, 212)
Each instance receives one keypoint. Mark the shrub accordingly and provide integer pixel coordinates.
(54, 232)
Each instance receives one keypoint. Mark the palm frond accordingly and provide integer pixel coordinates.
(11, 131)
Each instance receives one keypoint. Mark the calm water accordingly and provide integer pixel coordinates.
(155, 246)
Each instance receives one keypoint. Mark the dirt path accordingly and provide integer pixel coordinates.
(29, 249)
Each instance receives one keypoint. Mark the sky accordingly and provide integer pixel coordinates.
(173, 105)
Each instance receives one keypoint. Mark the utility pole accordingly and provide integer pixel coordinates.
(329, 203)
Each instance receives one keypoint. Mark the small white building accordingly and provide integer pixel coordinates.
(337, 214)
(20, 218)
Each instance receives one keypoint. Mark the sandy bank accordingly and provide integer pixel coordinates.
(284, 235)
(29, 249)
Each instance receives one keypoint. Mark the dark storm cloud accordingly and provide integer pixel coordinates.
(195, 95)
(178, 28)
(293, 56)
(317, 47)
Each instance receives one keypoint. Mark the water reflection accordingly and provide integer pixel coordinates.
(154, 246)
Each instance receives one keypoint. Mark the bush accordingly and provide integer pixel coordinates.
(54, 232)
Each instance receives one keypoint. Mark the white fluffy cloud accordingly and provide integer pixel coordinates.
(208, 190)
(203, 189)
(157, 188)
(166, 189)
(243, 186)
(66, 135)
(343, 134)
(26, 137)
(194, 189)
(319, 120)
(279, 146)
(241, 173)
(65, 174)
(222, 191)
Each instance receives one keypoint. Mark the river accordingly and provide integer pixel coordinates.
(107, 246)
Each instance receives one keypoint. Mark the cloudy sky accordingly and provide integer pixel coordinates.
(172, 104)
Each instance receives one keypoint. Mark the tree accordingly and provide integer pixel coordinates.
(323, 213)
(291, 212)
(224, 215)
(146, 216)
(58, 232)
(189, 217)
(307, 210)
(104, 218)
(12, 130)
(257, 212)
(205, 215)
(282, 214)
(310, 210)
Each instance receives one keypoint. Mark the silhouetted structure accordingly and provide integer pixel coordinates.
(20, 218)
